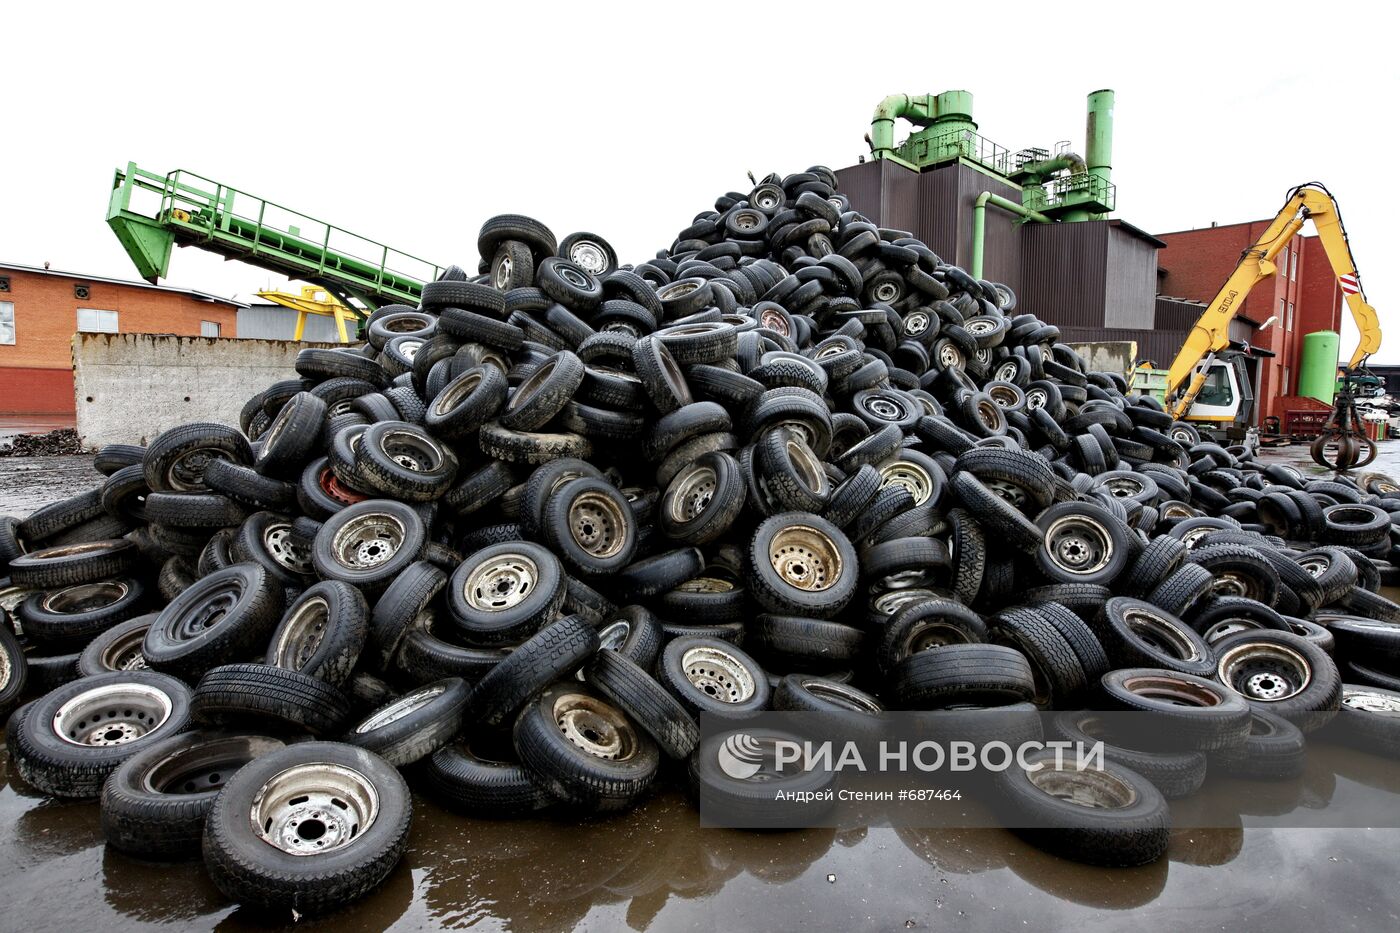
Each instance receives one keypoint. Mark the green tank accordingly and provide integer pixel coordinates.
(1317, 371)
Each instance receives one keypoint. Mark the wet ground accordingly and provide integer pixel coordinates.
(656, 869)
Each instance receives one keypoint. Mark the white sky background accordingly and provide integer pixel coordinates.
(410, 124)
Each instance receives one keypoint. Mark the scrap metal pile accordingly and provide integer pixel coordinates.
(520, 539)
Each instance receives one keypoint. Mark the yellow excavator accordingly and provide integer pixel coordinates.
(1208, 381)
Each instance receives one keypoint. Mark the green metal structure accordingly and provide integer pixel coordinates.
(1317, 368)
(152, 213)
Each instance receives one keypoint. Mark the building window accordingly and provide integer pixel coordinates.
(1293, 269)
(7, 323)
(208, 329)
(93, 321)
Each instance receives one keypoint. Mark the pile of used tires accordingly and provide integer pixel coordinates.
(516, 542)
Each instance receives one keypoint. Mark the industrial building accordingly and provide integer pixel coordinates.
(41, 309)
(1012, 217)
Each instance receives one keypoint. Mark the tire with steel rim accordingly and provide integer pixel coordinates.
(322, 632)
(1083, 544)
(226, 615)
(175, 461)
(67, 619)
(369, 543)
(584, 749)
(1109, 816)
(270, 541)
(484, 778)
(72, 564)
(1175, 774)
(1139, 634)
(504, 593)
(154, 805)
(1183, 712)
(708, 675)
(310, 827)
(1282, 673)
(414, 725)
(703, 500)
(591, 526)
(404, 461)
(76, 735)
(801, 564)
(14, 671)
(1369, 719)
(117, 649)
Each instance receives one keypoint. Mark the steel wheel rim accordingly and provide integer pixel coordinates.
(217, 603)
(400, 708)
(314, 808)
(1316, 565)
(1368, 701)
(368, 540)
(932, 635)
(614, 635)
(950, 356)
(909, 475)
(886, 292)
(1078, 545)
(5, 669)
(85, 597)
(1004, 396)
(767, 198)
(885, 408)
(203, 768)
(186, 472)
(596, 728)
(694, 490)
(916, 323)
(412, 451)
(1160, 634)
(1172, 691)
(575, 277)
(1009, 491)
(1036, 398)
(805, 558)
(707, 585)
(808, 467)
(124, 654)
(280, 542)
(597, 524)
(1088, 787)
(501, 583)
(408, 349)
(1232, 584)
(676, 290)
(589, 256)
(112, 714)
(890, 603)
(1179, 435)
(775, 322)
(1008, 372)
(303, 634)
(503, 271)
(718, 674)
(1123, 487)
(456, 392)
(1265, 672)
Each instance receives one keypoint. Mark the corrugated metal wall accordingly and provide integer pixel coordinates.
(1130, 279)
(1063, 273)
(274, 322)
(1159, 346)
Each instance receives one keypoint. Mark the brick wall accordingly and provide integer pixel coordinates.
(36, 372)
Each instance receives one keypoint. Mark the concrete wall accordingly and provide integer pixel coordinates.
(274, 322)
(131, 387)
(1108, 356)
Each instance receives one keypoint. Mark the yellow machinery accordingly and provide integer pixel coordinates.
(1208, 384)
(315, 300)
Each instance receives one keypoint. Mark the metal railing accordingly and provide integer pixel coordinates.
(1068, 190)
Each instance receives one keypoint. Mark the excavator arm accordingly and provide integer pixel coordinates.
(1210, 334)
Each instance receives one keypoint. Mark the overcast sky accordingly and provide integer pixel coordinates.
(410, 125)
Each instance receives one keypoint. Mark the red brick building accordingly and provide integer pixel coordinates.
(1304, 296)
(41, 309)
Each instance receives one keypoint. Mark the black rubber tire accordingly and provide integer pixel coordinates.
(374, 575)
(531, 447)
(999, 518)
(1180, 591)
(1121, 837)
(380, 462)
(1311, 706)
(193, 510)
(61, 621)
(1060, 676)
(174, 461)
(113, 457)
(929, 624)
(415, 725)
(247, 486)
(63, 768)
(1239, 570)
(72, 564)
(224, 616)
(570, 771)
(1158, 560)
(512, 614)
(155, 803)
(736, 690)
(249, 870)
(834, 582)
(117, 649)
(49, 521)
(963, 675)
(272, 542)
(1275, 750)
(1058, 558)
(1367, 720)
(624, 681)
(322, 632)
(492, 785)
(1139, 634)
(1218, 719)
(591, 526)
(1175, 774)
(424, 657)
(402, 605)
(15, 669)
(558, 649)
(652, 576)
(805, 643)
(258, 696)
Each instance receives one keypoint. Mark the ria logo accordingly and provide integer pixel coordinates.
(740, 756)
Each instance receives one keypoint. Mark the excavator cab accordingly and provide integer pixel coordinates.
(1226, 399)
